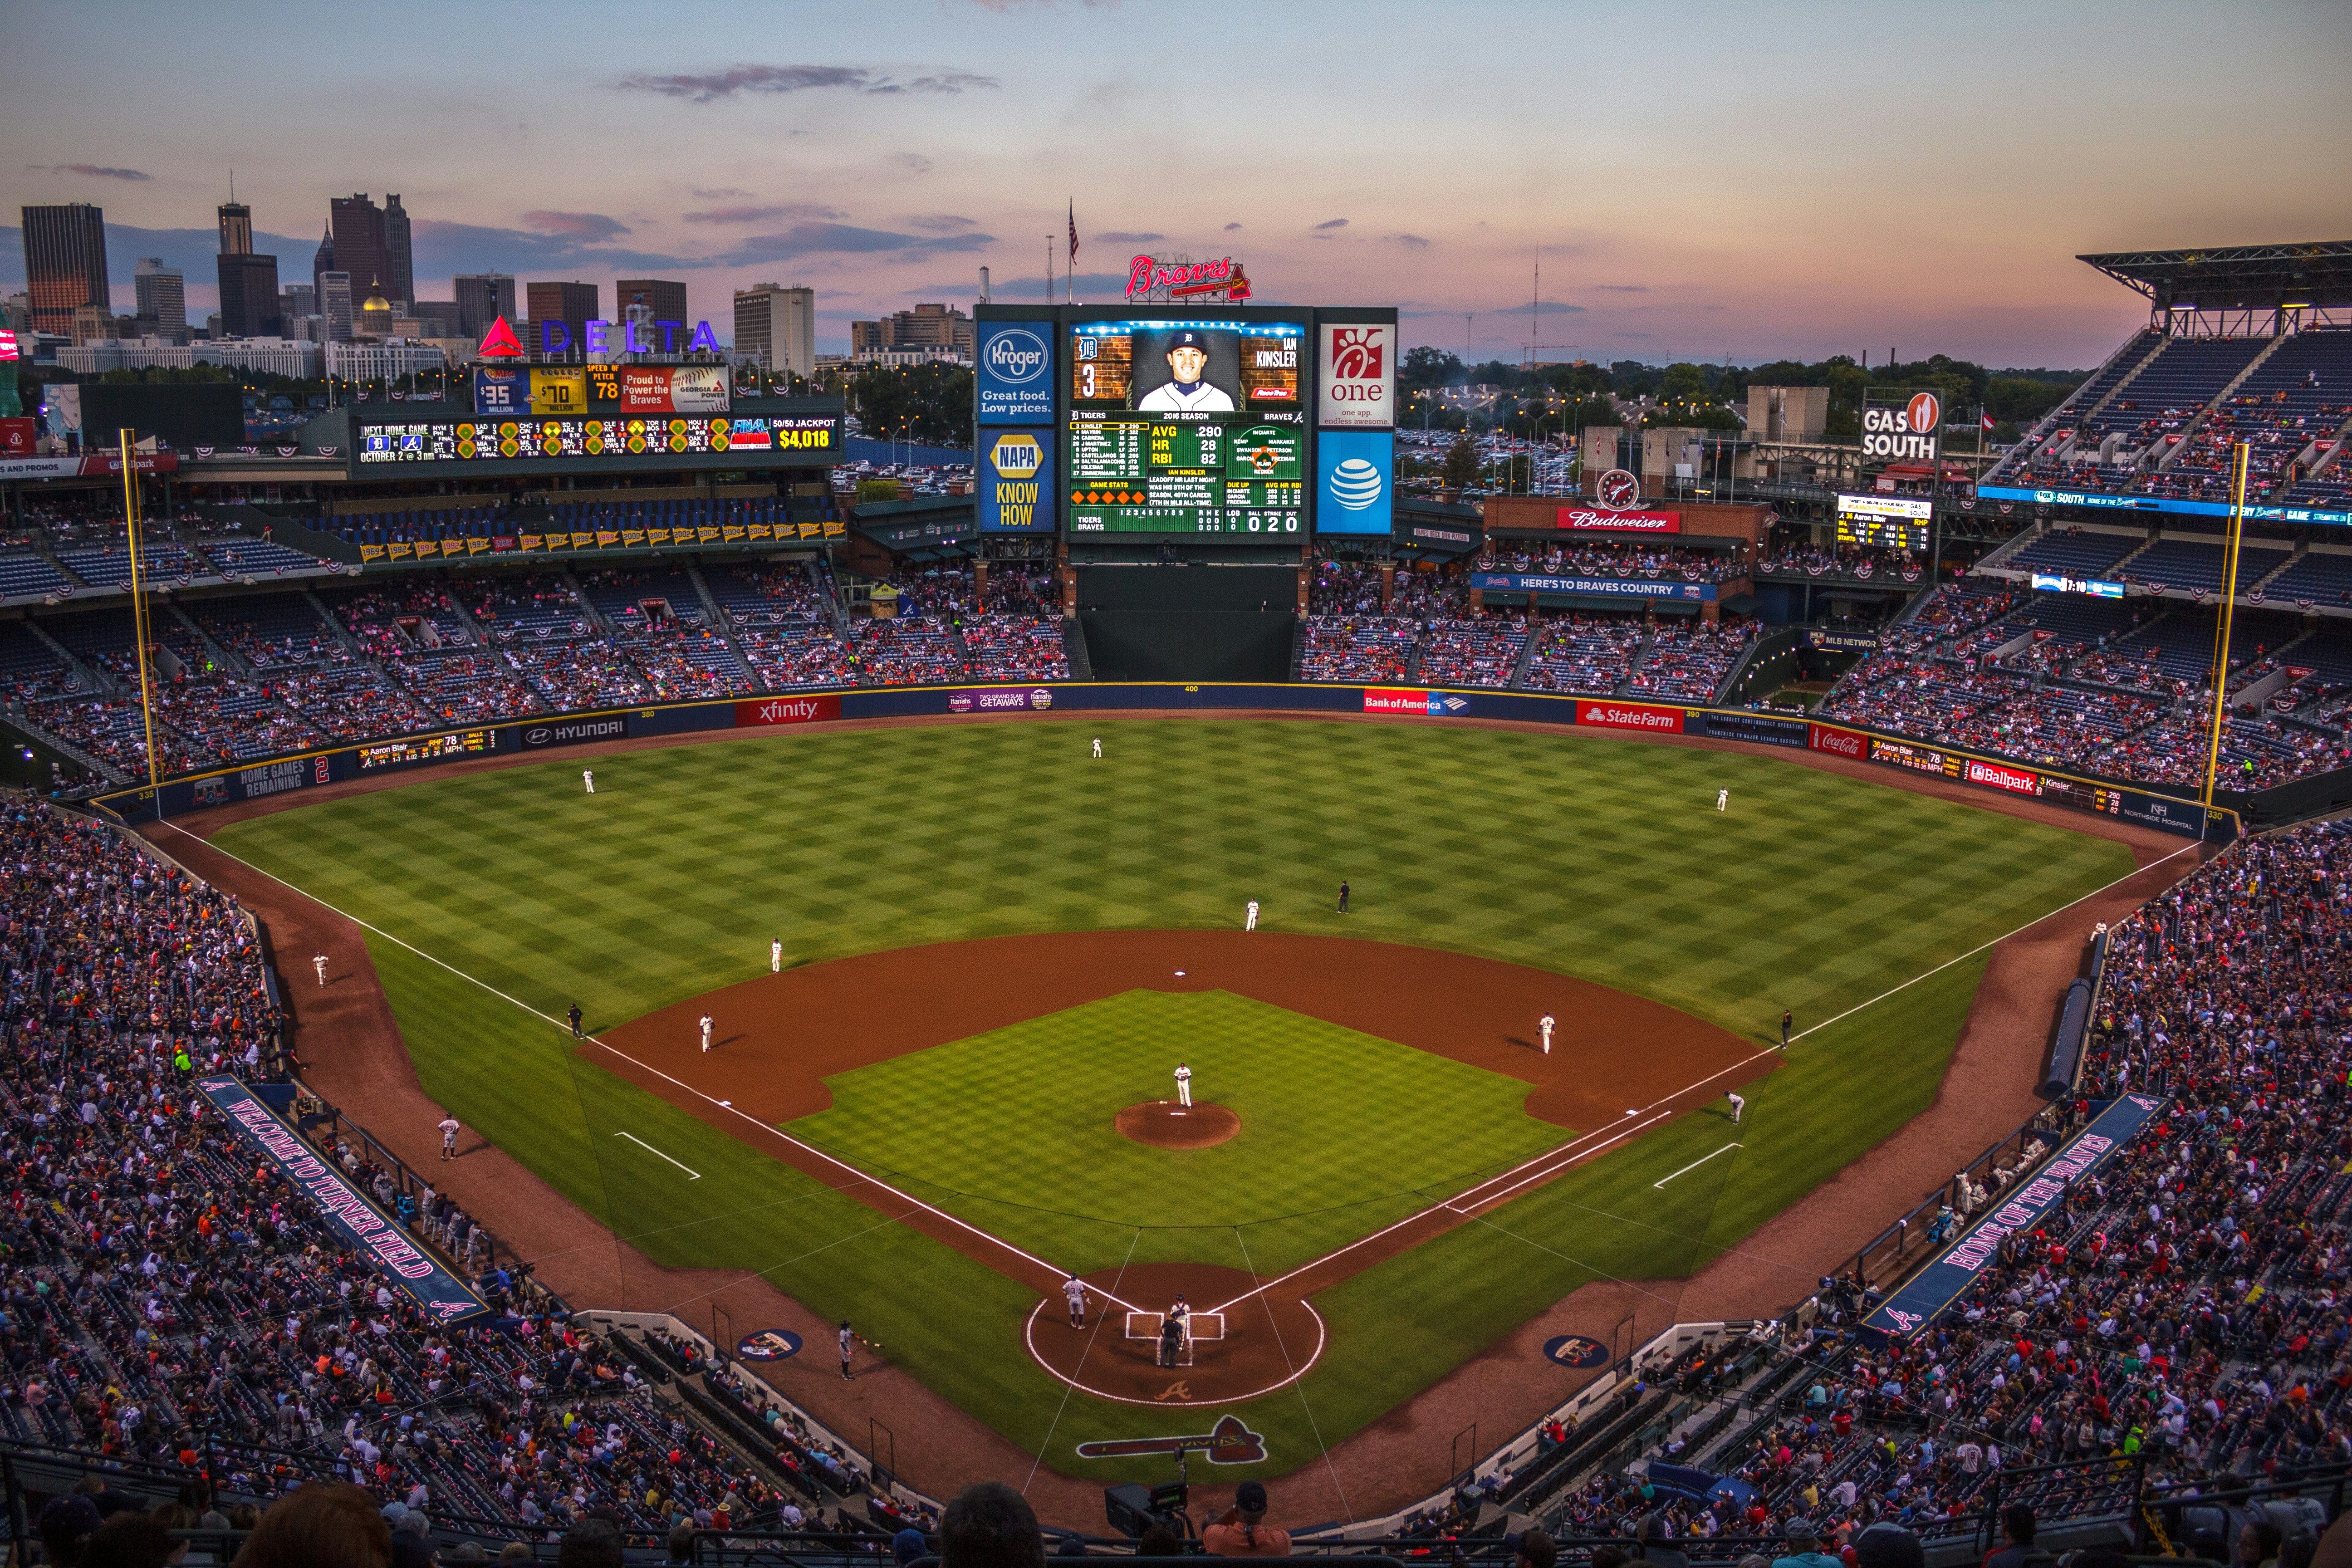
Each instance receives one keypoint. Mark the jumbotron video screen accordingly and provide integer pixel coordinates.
(1186, 426)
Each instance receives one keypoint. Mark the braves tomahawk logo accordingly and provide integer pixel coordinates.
(1229, 1442)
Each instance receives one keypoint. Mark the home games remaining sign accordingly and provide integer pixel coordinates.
(1902, 432)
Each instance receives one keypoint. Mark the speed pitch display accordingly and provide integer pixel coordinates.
(1186, 426)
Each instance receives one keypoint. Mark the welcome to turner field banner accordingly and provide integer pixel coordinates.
(1915, 1305)
(356, 1219)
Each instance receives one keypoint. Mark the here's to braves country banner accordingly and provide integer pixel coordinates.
(356, 1219)
(2021, 1208)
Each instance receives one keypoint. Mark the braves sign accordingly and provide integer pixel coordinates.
(1359, 376)
(1147, 276)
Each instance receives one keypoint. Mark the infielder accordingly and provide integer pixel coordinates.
(776, 957)
(1788, 1018)
(1097, 748)
(574, 1016)
(448, 1138)
(1343, 898)
(847, 1340)
(319, 963)
(588, 777)
(1183, 1085)
(1738, 1106)
(1543, 1027)
(1076, 1294)
(1249, 922)
(1723, 800)
(706, 1031)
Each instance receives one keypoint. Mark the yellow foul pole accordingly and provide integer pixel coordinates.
(2238, 462)
(139, 616)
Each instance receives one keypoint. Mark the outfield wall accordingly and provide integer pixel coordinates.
(2172, 813)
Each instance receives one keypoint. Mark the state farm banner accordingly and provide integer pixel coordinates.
(807, 710)
(357, 1220)
(1645, 716)
(1594, 520)
(1358, 366)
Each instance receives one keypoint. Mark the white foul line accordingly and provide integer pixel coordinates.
(1058, 1273)
(1695, 1165)
(691, 1174)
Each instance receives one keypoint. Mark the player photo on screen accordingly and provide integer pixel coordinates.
(1186, 370)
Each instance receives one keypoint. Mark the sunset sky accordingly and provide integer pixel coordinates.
(1702, 180)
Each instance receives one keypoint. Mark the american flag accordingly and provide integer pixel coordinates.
(1074, 235)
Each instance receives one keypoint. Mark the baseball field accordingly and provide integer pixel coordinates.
(915, 1126)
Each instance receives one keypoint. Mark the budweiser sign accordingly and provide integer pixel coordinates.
(1620, 522)
(1148, 276)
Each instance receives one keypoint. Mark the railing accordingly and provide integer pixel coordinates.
(1908, 1242)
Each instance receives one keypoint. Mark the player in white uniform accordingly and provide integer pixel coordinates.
(1738, 1106)
(319, 963)
(1249, 920)
(1075, 1293)
(1183, 1084)
(1097, 748)
(448, 1138)
(1543, 1027)
(706, 1031)
(1723, 800)
(776, 957)
(588, 777)
(1187, 357)
(1181, 1311)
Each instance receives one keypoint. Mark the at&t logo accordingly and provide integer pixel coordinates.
(1355, 484)
(1016, 357)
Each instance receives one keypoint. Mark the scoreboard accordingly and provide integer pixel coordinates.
(1886, 522)
(480, 446)
(1177, 425)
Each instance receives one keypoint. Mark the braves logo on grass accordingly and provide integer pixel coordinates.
(1229, 1442)
(1575, 1351)
(768, 1344)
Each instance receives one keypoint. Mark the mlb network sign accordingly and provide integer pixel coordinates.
(1015, 476)
(1359, 364)
(1015, 383)
(1904, 432)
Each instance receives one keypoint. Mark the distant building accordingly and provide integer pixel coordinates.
(335, 305)
(64, 263)
(400, 269)
(1793, 414)
(271, 357)
(779, 326)
(572, 304)
(296, 301)
(162, 296)
(650, 301)
(932, 327)
(483, 297)
(440, 318)
(377, 362)
(376, 317)
(235, 229)
(322, 261)
(248, 295)
(357, 225)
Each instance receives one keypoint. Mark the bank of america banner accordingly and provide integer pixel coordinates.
(357, 1220)
(2021, 1209)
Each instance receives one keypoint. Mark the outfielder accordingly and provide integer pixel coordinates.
(1249, 922)
(1723, 800)
(1543, 1027)
(1183, 1085)
(588, 777)
(448, 1138)
(847, 1340)
(1738, 1106)
(1097, 748)
(319, 963)
(706, 1031)
(1075, 1293)
(776, 957)
(1343, 898)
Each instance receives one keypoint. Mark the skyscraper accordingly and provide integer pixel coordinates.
(235, 229)
(779, 324)
(483, 297)
(357, 224)
(322, 261)
(573, 304)
(162, 296)
(65, 264)
(335, 305)
(399, 271)
(248, 295)
(651, 301)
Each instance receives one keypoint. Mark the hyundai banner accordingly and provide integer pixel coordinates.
(1612, 587)
(572, 731)
(359, 1222)
(1015, 381)
(1936, 1286)
(1353, 474)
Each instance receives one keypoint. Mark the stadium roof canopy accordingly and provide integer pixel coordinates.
(2237, 277)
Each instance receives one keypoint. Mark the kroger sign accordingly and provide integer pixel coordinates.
(1015, 383)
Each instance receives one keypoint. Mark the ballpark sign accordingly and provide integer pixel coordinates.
(1358, 363)
(1148, 278)
(1905, 432)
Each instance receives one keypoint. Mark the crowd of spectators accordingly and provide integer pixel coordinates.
(1688, 660)
(1857, 561)
(1584, 653)
(1356, 647)
(1629, 560)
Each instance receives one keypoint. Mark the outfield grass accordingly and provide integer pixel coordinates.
(1591, 856)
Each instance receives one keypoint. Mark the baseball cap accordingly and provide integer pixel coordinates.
(1250, 1496)
(1188, 339)
(908, 1545)
(67, 1517)
(1800, 1530)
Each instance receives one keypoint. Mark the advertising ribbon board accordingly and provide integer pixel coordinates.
(1614, 587)
(358, 1221)
(1936, 1286)
(1645, 716)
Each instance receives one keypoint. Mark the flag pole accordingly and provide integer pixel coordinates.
(2238, 463)
(139, 616)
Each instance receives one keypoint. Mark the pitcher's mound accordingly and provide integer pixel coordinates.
(1164, 1124)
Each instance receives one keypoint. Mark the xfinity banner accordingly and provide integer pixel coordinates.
(1015, 385)
(360, 1222)
(1941, 1283)
(1612, 587)
(572, 732)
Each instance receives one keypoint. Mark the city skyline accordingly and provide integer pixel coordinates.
(1821, 179)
